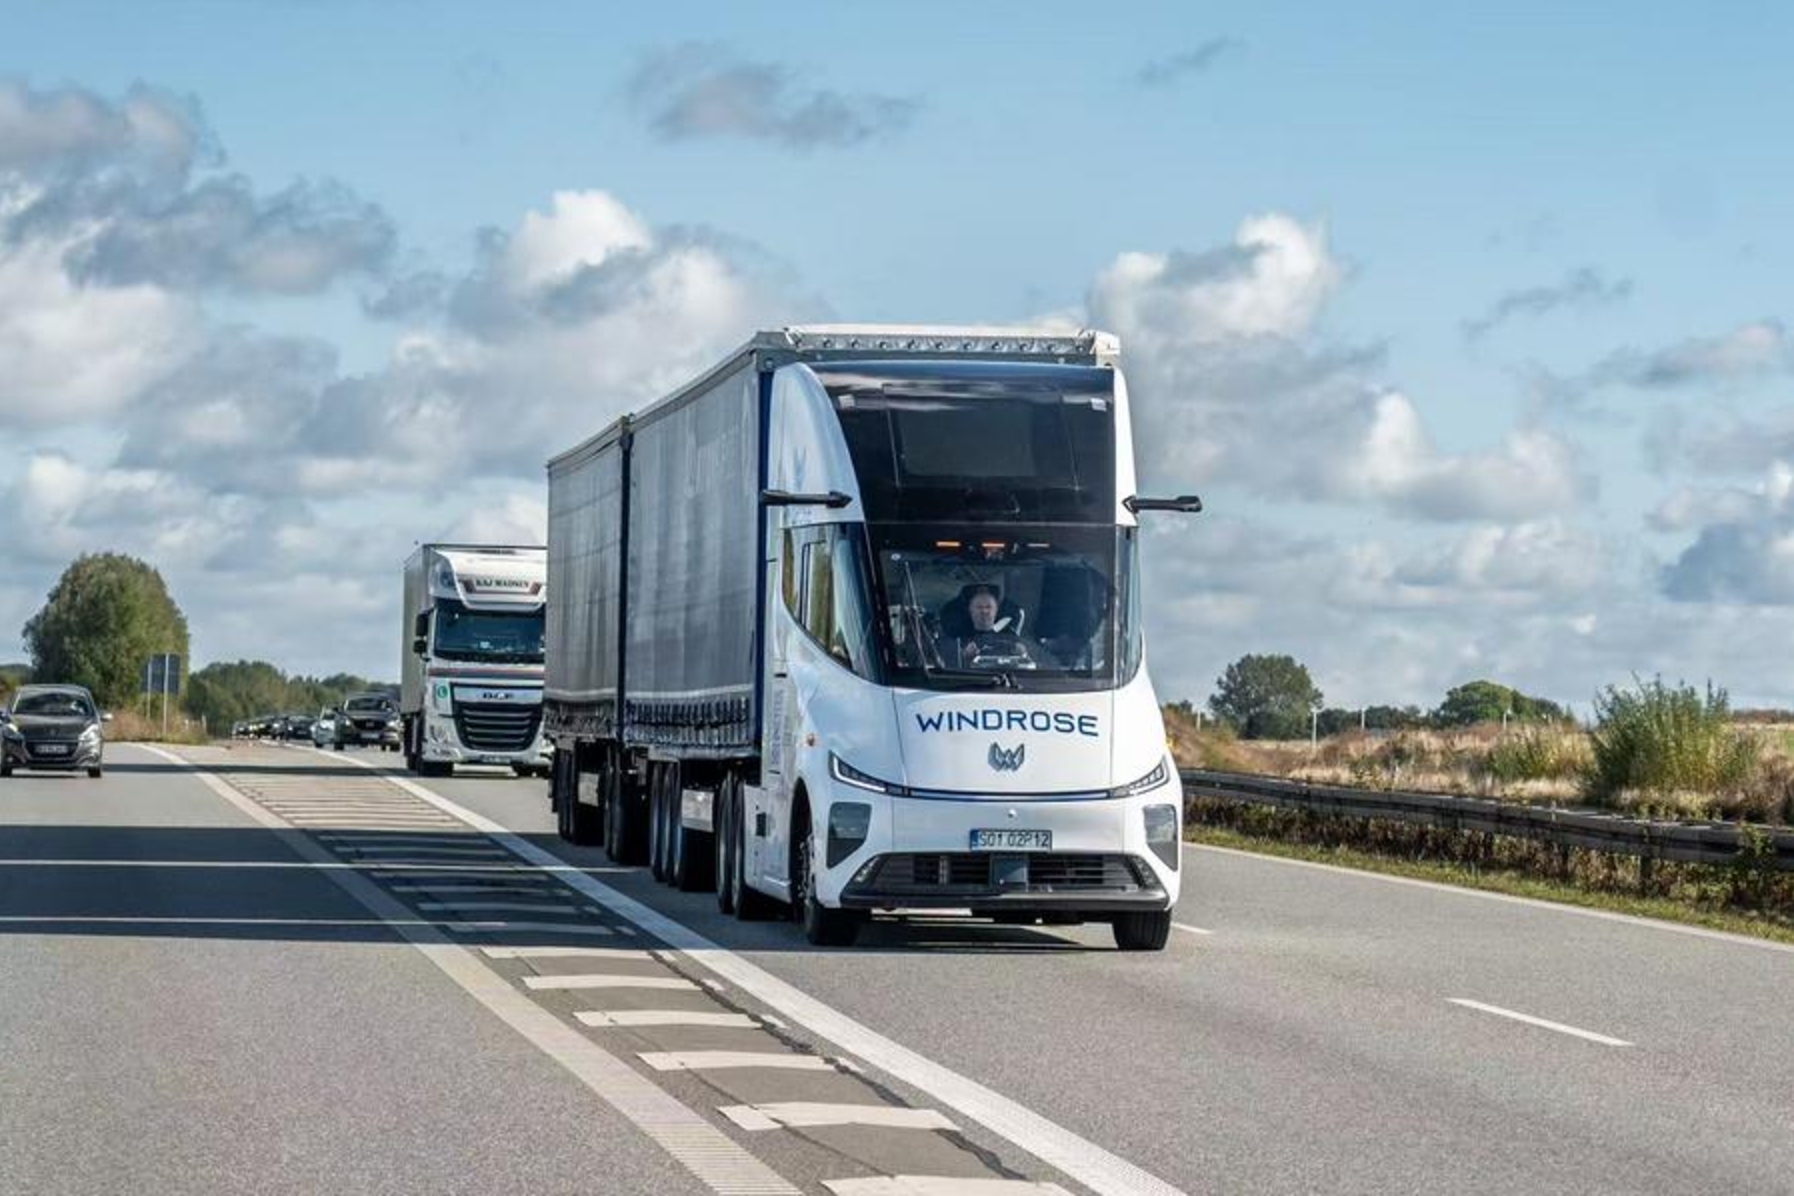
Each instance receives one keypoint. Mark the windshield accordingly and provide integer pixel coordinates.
(364, 705)
(501, 637)
(53, 705)
(1044, 607)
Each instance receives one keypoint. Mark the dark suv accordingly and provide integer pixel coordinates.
(369, 720)
(53, 726)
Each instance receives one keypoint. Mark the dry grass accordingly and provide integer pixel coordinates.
(1539, 764)
(128, 726)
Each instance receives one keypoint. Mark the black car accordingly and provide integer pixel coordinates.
(369, 719)
(53, 727)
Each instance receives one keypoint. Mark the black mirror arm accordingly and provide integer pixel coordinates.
(1183, 504)
(834, 500)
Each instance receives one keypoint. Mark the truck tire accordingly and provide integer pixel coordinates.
(657, 822)
(1148, 931)
(823, 927)
(625, 835)
(721, 839)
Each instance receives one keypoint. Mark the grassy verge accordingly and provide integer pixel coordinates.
(127, 726)
(1776, 924)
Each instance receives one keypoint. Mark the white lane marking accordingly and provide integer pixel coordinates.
(700, 1147)
(390, 870)
(505, 907)
(1540, 1022)
(1701, 932)
(1079, 1158)
(419, 853)
(1189, 929)
(607, 980)
(501, 889)
(531, 927)
(808, 1114)
(665, 1017)
(565, 953)
(728, 1060)
(939, 1185)
(404, 840)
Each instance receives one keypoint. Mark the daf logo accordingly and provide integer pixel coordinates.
(1007, 761)
(495, 695)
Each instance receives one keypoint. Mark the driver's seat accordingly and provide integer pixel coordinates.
(956, 615)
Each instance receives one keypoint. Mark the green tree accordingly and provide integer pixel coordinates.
(106, 616)
(1487, 701)
(226, 692)
(1266, 697)
(11, 677)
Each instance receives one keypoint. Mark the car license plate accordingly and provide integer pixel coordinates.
(1012, 840)
(51, 749)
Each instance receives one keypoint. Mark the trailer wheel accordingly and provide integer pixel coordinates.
(657, 821)
(624, 837)
(721, 839)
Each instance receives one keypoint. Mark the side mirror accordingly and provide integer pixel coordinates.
(105, 716)
(1183, 504)
(418, 646)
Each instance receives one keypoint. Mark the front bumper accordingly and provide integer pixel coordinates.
(39, 758)
(917, 854)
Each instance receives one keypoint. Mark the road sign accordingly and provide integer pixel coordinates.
(162, 674)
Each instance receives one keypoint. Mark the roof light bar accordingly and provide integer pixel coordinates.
(1004, 342)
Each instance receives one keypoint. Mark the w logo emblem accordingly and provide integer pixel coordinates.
(1008, 761)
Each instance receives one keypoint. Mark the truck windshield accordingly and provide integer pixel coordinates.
(1041, 607)
(497, 637)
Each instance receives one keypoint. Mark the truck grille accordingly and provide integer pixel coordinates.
(497, 727)
(978, 874)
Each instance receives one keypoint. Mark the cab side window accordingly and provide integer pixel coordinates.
(824, 586)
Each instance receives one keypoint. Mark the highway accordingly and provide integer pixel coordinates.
(260, 968)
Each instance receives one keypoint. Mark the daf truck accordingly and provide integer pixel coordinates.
(851, 623)
(471, 669)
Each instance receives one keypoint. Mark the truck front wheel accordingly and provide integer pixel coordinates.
(1148, 931)
(823, 927)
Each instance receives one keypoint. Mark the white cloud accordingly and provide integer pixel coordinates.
(70, 352)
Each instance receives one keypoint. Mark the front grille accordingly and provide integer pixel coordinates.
(984, 874)
(497, 727)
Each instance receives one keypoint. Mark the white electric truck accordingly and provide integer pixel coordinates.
(471, 668)
(851, 623)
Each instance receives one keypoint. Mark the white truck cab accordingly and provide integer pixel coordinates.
(472, 671)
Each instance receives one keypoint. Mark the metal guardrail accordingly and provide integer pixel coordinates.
(1591, 830)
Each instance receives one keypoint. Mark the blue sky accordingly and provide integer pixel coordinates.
(1559, 238)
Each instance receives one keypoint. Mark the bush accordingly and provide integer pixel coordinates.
(1537, 754)
(1663, 743)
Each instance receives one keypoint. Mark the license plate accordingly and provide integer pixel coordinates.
(370, 736)
(51, 749)
(1012, 840)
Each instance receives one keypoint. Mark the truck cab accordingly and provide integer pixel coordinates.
(958, 712)
(473, 662)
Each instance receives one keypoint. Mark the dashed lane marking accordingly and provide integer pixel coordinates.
(1188, 929)
(939, 1185)
(665, 1017)
(531, 927)
(718, 1162)
(607, 980)
(496, 888)
(728, 1060)
(565, 953)
(506, 907)
(809, 1115)
(573, 928)
(1542, 1023)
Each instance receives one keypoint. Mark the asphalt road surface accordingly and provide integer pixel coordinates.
(271, 969)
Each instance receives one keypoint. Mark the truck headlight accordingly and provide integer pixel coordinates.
(848, 824)
(1161, 834)
(1145, 784)
(847, 774)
